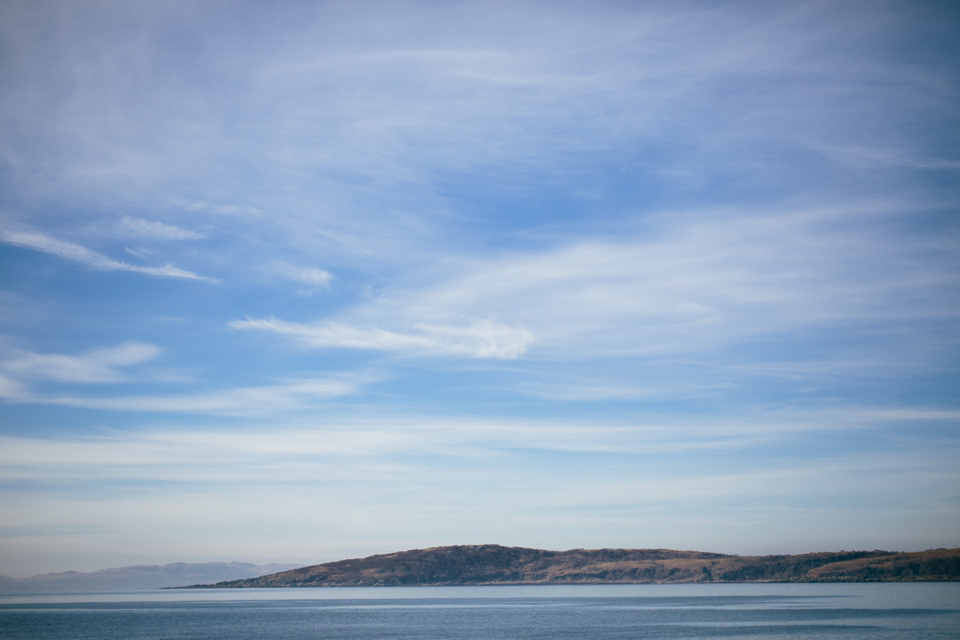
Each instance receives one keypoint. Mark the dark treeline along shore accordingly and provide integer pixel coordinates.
(495, 564)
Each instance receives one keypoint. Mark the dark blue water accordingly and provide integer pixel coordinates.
(850, 611)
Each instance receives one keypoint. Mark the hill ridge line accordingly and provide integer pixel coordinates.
(489, 564)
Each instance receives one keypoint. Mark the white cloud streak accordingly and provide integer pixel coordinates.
(95, 366)
(267, 400)
(479, 339)
(312, 278)
(22, 375)
(156, 230)
(91, 259)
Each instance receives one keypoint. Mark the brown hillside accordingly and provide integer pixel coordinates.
(495, 564)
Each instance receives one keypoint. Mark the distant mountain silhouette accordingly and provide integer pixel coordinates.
(176, 574)
(495, 564)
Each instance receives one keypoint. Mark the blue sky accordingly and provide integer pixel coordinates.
(299, 281)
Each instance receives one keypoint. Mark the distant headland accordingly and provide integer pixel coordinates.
(490, 564)
(153, 576)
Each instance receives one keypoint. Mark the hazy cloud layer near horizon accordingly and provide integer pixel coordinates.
(297, 281)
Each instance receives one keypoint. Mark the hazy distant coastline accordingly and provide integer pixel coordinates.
(175, 574)
(495, 564)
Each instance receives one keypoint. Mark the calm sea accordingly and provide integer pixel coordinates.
(845, 611)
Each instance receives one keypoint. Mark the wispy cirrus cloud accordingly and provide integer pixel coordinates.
(220, 209)
(253, 401)
(25, 375)
(95, 366)
(478, 339)
(699, 281)
(11, 388)
(156, 230)
(454, 437)
(311, 279)
(90, 259)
